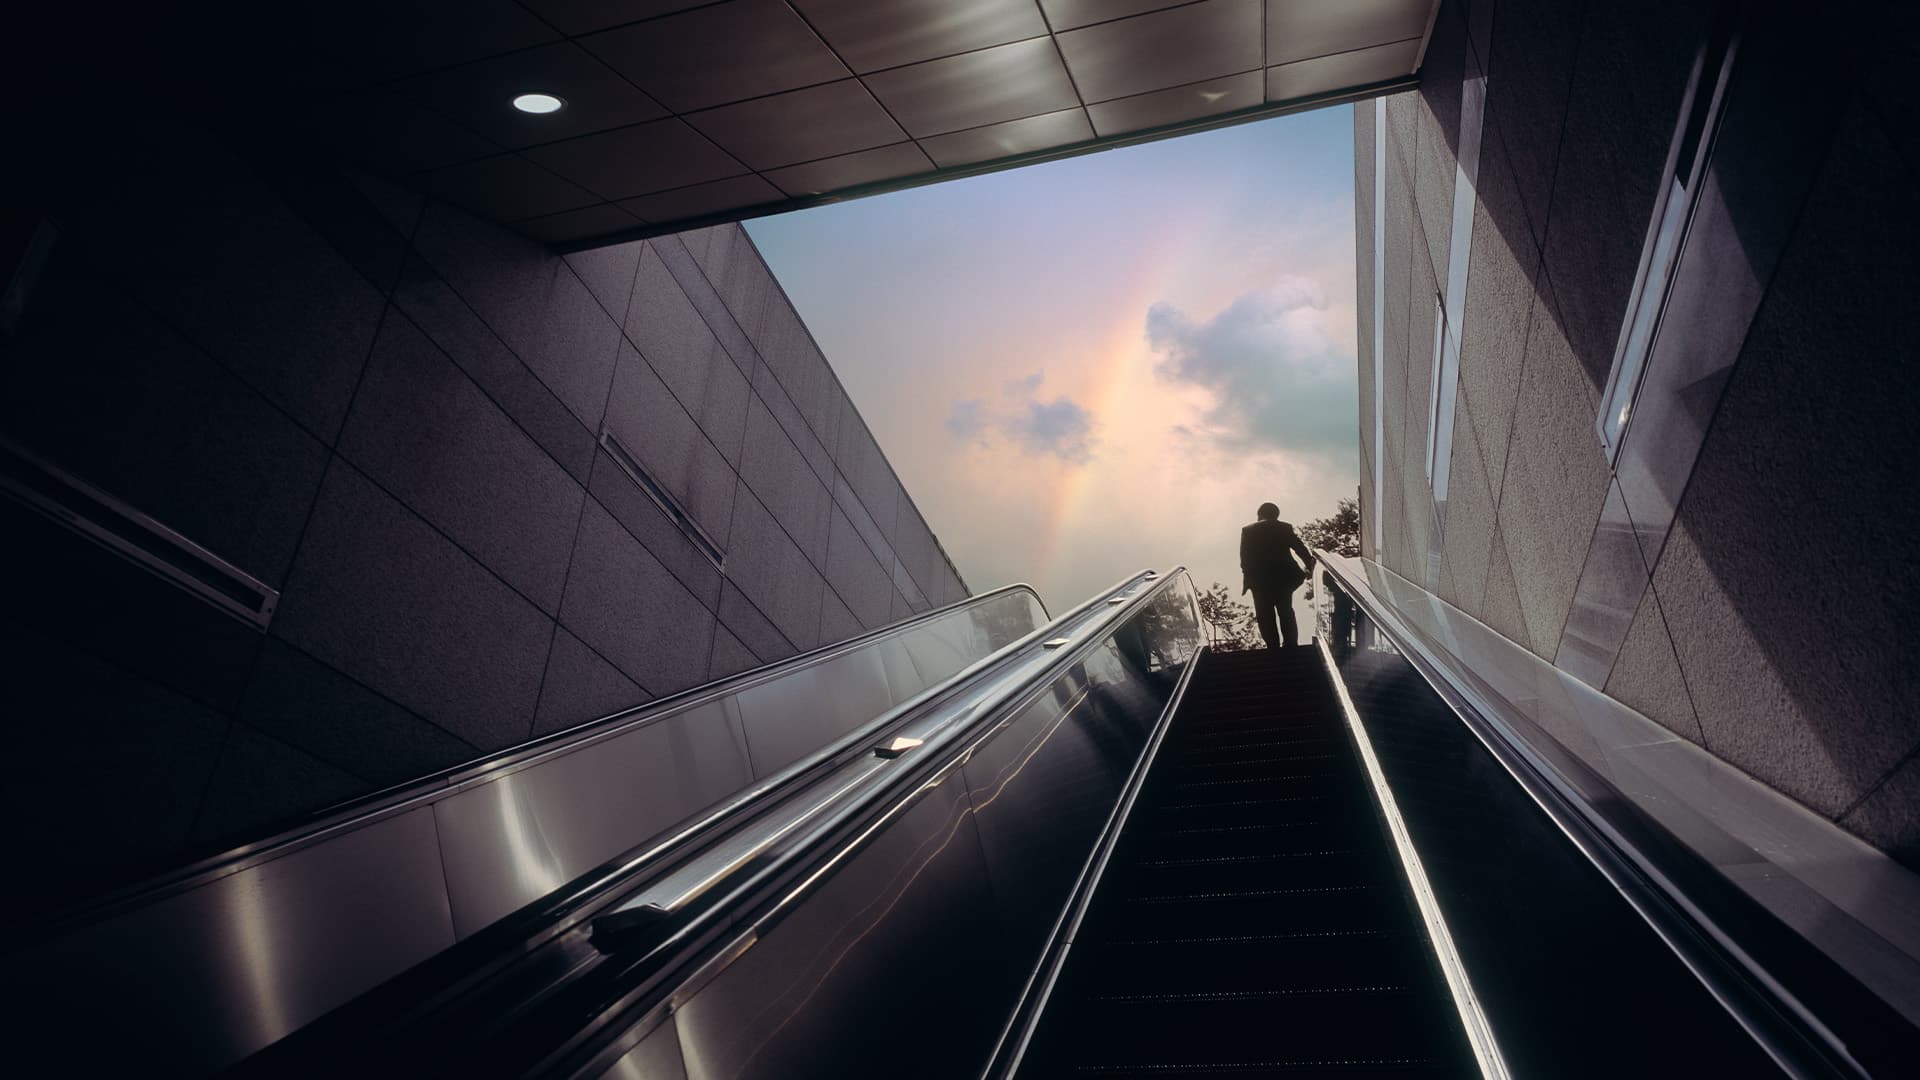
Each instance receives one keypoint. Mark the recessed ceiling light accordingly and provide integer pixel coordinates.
(538, 103)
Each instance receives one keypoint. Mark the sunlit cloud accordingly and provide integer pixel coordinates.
(1278, 379)
(1060, 428)
(967, 421)
(1052, 269)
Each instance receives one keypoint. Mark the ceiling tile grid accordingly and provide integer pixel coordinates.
(690, 111)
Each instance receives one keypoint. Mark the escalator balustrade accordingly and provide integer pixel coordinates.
(1253, 919)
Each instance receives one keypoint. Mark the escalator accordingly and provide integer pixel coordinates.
(985, 847)
(1253, 920)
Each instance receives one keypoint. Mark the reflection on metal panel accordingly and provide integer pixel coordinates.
(903, 679)
(1609, 593)
(919, 933)
(210, 966)
(1455, 795)
(787, 720)
(216, 974)
(1848, 900)
(515, 839)
(942, 650)
(895, 954)
(655, 1057)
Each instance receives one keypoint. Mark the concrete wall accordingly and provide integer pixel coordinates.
(1762, 613)
(389, 411)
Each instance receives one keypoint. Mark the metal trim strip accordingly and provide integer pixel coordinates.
(1486, 1047)
(135, 536)
(1017, 1034)
(1805, 1047)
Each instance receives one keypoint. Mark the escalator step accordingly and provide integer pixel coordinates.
(1252, 920)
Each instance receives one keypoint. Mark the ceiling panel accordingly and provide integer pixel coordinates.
(1067, 14)
(387, 40)
(1326, 74)
(392, 133)
(703, 199)
(1166, 48)
(870, 36)
(818, 122)
(637, 160)
(1194, 101)
(682, 110)
(570, 225)
(505, 188)
(480, 95)
(1300, 29)
(852, 170)
(586, 16)
(712, 55)
(1010, 139)
(1002, 83)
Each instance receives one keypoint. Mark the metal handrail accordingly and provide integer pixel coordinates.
(562, 917)
(948, 731)
(1016, 1034)
(1780, 1024)
(713, 867)
(386, 802)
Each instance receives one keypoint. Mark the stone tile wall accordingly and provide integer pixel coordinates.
(1769, 628)
(390, 412)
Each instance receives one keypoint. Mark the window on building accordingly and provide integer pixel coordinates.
(1666, 236)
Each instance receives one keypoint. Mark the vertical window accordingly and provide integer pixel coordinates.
(1449, 313)
(1436, 444)
(1666, 234)
(1379, 320)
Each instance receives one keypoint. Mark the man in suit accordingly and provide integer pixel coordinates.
(1269, 572)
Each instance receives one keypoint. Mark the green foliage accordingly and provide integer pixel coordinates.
(1339, 534)
(1233, 626)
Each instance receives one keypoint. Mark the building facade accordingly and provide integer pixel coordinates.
(1635, 374)
(486, 491)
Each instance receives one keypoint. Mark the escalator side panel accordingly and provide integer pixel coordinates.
(906, 958)
(376, 902)
(788, 720)
(637, 784)
(224, 964)
(1557, 958)
(655, 1057)
(1046, 785)
(912, 913)
(1253, 920)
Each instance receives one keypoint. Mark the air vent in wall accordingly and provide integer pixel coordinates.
(133, 535)
(662, 498)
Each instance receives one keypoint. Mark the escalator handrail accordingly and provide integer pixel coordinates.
(378, 805)
(1783, 1026)
(1016, 1034)
(489, 953)
(857, 813)
(620, 875)
(739, 848)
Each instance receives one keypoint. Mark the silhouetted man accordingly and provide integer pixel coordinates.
(1267, 570)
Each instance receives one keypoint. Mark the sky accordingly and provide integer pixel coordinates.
(1100, 365)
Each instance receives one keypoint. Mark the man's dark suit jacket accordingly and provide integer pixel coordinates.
(1264, 562)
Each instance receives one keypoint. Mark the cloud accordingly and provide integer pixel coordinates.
(1277, 379)
(1061, 428)
(1025, 388)
(967, 421)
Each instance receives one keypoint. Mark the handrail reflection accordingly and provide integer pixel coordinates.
(1022, 669)
(1611, 828)
(400, 798)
